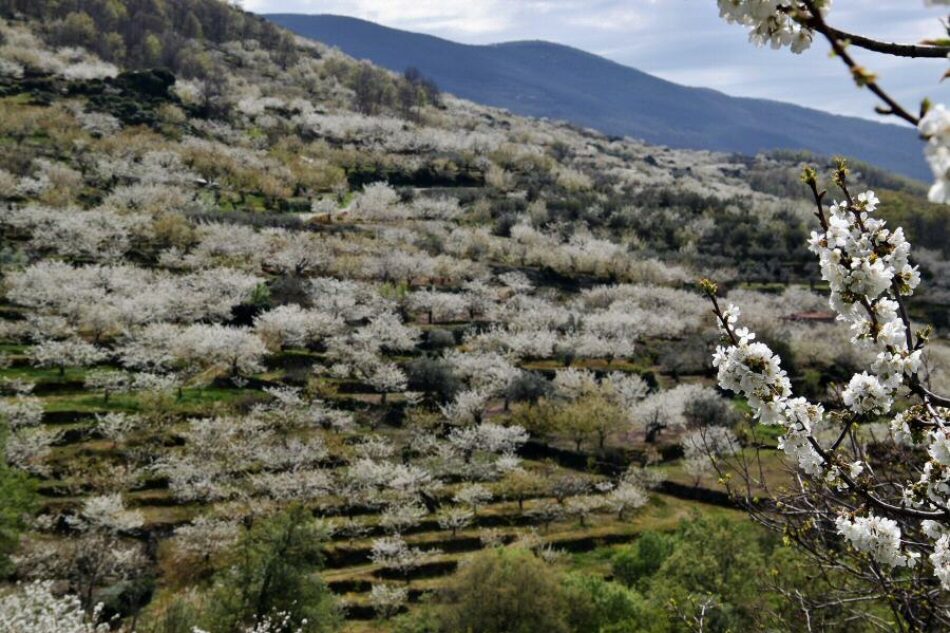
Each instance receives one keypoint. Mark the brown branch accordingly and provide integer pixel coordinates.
(817, 22)
(928, 396)
(905, 317)
(872, 499)
(888, 48)
(915, 385)
(844, 433)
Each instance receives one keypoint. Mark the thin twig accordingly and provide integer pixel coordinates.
(817, 22)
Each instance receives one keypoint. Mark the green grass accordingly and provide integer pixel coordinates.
(767, 463)
(583, 363)
(44, 374)
(192, 401)
(347, 199)
(596, 561)
(90, 403)
(767, 433)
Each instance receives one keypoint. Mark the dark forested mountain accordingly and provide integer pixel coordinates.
(550, 80)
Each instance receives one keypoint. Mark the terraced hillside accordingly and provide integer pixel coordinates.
(275, 277)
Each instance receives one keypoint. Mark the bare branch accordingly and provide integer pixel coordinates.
(862, 77)
(887, 48)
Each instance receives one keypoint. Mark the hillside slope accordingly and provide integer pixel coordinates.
(550, 80)
(242, 274)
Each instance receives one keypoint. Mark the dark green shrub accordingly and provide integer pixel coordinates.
(273, 570)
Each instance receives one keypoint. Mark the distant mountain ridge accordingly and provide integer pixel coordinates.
(543, 79)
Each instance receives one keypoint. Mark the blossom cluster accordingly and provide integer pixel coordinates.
(935, 127)
(867, 269)
(770, 21)
(750, 368)
(877, 536)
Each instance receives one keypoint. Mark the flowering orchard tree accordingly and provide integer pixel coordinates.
(393, 553)
(232, 350)
(399, 517)
(703, 445)
(881, 515)
(378, 202)
(21, 411)
(665, 410)
(387, 378)
(204, 537)
(583, 507)
(63, 354)
(29, 448)
(467, 408)
(95, 554)
(117, 426)
(456, 519)
(108, 381)
(26, 443)
(293, 326)
(625, 497)
(473, 496)
(36, 608)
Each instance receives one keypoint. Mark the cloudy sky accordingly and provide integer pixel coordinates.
(680, 40)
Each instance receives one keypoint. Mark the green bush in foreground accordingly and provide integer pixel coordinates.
(18, 499)
(273, 571)
(728, 574)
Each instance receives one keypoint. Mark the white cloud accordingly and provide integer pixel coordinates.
(614, 19)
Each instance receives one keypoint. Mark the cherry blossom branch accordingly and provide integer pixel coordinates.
(925, 394)
(809, 177)
(826, 456)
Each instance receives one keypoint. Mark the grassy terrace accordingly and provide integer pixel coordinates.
(71, 412)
